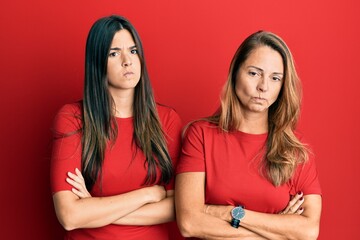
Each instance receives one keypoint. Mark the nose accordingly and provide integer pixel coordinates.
(262, 85)
(126, 61)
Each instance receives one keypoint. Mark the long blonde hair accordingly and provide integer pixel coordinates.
(283, 149)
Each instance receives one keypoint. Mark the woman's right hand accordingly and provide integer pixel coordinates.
(155, 193)
(295, 205)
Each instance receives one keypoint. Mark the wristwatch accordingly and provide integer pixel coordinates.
(237, 214)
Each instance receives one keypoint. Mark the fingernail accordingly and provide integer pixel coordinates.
(301, 209)
(302, 198)
(299, 193)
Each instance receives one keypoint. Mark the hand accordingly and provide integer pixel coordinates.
(156, 193)
(294, 206)
(77, 181)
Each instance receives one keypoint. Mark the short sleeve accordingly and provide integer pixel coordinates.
(192, 158)
(172, 126)
(66, 148)
(306, 178)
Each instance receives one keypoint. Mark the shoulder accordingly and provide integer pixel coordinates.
(201, 127)
(166, 111)
(68, 118)
(71, 108)
(204, 124)
(167, 115)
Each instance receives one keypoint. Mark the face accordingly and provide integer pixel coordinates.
(259, 80)
(124, 68)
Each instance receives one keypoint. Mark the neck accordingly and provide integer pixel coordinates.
(254, 123)
(123, 103)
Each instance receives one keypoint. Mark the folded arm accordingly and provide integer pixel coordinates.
(287, 226)
(299, 220)
(190, 212)
(90, 212)
(148, 214)
(152, 213)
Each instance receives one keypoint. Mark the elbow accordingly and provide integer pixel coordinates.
(186, 227)
(67, 226)
(67, 223)
(311, 233)
(67, 220)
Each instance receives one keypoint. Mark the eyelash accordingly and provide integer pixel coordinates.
(132, 51)
(276, 78)
(253, 74)
(113, 54)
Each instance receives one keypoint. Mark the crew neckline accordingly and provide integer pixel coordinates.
(251, 136)
(126, 119)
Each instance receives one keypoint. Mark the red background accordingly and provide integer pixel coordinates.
(188, 46)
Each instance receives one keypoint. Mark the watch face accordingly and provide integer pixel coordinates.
(238, 213)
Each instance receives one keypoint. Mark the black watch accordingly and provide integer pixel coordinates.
(237, 214)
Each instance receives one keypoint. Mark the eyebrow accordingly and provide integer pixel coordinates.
(263, 70)
(118, 49)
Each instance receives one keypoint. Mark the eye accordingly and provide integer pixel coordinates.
(113, 54)
(253, 73)
(276, 78)
(134, 51)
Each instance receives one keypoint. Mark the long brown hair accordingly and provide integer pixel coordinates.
(283, 149)
(99, 125)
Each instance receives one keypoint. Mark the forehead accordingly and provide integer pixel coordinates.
(265, 58)
(123, 38)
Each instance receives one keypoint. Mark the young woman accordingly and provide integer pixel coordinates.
(114, 151)
(240, 167)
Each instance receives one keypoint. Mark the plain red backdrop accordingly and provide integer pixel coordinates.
(188, 46)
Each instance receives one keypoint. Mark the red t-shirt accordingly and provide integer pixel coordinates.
(232, 166)
(123, 167)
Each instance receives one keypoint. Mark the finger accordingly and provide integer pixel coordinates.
(299, 211)
(78, 190)
(296, 206)
(295, 198)
(78, 173)
(291, 203)
(75, 184)
(78, 193)
(71, 175)
(75, 177)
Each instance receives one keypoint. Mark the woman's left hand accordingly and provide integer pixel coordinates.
(77, 181)
(295, 205)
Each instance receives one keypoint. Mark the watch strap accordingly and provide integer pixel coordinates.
(235, 223)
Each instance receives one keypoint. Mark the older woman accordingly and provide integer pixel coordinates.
(240, 167)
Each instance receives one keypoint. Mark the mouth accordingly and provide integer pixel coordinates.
(259, 99)
(128, 74)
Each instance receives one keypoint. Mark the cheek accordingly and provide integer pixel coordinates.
(138, 64)
(276, 93)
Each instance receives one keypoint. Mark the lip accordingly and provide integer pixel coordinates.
(257, 99)
(127, 74)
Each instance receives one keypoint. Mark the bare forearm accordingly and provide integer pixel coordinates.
(96, 211)
(190, 212)
(254, 237)
(223, 212)
(205, 226)
(150, 214)
(287, 226)
(274, 226)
